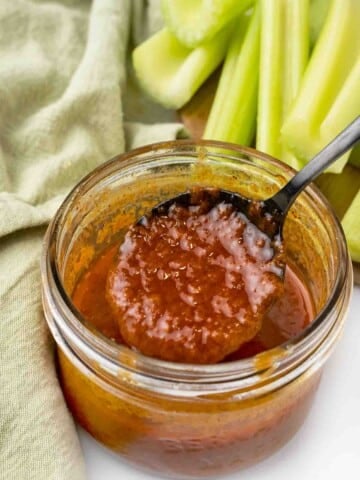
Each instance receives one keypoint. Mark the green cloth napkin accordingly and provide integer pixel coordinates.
(64, 96)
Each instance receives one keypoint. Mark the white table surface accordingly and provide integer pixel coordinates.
(327, 447)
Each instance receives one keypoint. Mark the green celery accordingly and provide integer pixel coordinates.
(355, 156)
(284, 51)
(318, 13)
(233, 113)
(170, 72)
(351, 226)
(346, 106)
(195, 21)
(270, 84)
(296, 54)
(340, 188)
(295, 48)
(329, 95)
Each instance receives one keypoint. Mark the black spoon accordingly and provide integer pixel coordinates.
(269, 215)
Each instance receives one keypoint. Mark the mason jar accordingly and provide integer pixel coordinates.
(185, 420)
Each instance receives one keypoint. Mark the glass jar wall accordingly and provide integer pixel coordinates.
(189, 421)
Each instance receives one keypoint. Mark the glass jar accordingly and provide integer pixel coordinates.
(189, 421)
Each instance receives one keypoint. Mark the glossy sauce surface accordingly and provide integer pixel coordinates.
(289, 315)
(192, 282)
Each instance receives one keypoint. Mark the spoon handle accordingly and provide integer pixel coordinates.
(343, 142)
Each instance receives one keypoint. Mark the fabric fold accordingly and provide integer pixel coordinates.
(63, 80)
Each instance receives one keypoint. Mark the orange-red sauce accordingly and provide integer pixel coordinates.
(290, 314)
(192, 282)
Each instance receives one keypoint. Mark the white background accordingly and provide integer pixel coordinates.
(327, 447)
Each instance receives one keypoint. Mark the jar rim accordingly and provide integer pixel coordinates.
(271, 363)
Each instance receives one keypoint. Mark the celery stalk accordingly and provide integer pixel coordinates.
(226, 80)
(270, 85)
(355, 156)
(318, 13)
(283, 56)
(351, 226)
(296, 54)
(329, 85)
(233, 113)
(295, 48)
(346, 106)
(195, 21)
(340, 188)
(170, 72)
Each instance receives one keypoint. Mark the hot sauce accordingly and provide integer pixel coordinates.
(192, 283)
(288, 316)
(184, 420)
(172, 435)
